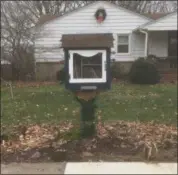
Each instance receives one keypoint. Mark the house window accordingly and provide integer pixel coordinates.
(123, 44)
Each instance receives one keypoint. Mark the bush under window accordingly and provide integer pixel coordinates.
(116, 71)
(60, 75)
(144, 72)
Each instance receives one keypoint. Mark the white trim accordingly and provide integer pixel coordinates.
(129, 43)
(85, 53)
(89, 53)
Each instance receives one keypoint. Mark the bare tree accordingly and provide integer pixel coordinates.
(17, 21)
(15, 33)
(144, 6)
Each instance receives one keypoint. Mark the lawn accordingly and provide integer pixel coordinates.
(46, 112)
(52, 103)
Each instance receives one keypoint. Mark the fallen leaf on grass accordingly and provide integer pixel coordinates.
(118, 134)
(36, 155)
(87, 154)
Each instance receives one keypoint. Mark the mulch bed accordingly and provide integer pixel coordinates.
(117, 141)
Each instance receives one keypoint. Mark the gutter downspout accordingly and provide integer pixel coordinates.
(146, 41)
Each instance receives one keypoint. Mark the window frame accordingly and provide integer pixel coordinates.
(87, 80)
(129, 43)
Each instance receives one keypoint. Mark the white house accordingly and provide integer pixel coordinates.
(135, 35)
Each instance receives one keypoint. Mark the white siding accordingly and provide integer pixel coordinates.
(166, 23)
(118, 21)
(158, 43)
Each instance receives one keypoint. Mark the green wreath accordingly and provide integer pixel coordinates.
(100, 11)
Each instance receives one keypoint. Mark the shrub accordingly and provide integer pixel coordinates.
(60, 75)
(116, 71)
(144, 72)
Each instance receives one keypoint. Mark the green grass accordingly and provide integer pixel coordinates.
(51, 104)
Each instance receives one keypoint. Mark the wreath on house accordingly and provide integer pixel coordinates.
(100, 15)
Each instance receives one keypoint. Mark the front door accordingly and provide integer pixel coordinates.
(172, 48)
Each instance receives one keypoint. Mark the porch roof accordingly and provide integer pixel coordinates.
(166, 23)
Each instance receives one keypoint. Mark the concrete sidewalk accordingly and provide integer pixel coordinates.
(121, 168)
(90, 168)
